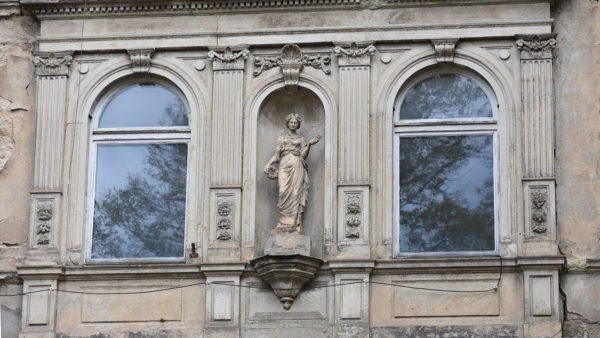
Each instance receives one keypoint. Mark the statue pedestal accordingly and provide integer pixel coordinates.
(287, 244)
(287, 266)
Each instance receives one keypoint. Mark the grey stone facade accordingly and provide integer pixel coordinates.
(352, 62)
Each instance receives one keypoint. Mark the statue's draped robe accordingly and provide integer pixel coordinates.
(293, 182)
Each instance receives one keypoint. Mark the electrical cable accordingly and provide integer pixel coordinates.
(494, 288)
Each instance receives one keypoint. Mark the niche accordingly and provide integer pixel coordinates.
(271, 124)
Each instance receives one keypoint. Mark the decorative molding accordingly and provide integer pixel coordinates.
(354, 53)
(44, 215)
(76, 10)
(223, 241)
(534, 47)
(224, 218)
(353, 219)
(353, 216)
(228, 57)
(141, 59)
(444, 49)
(291, 61)
(52, 64)
(540, 224)
(539, 210)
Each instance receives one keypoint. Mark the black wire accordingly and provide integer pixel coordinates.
(495, 288)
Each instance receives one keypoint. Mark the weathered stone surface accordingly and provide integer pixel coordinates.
(287, 244)
(17, 39)
(446, 331)
(7, 142)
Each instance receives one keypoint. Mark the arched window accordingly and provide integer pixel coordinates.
(138, 181)
(445, 136)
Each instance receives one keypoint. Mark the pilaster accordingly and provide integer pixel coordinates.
(352, 297)
(226, 152)
(222, 300)
(539, 233)
(52, 73)
(541, 294)
(39, 303)
(354, 60)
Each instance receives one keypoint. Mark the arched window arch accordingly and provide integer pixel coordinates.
(445, 164)
(138, 173)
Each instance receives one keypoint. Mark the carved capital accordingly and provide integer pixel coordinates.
(354, 53)
(534, 47)
(444, 49)
(291, 61)
(141, 59)
(52, 64)
(228, 57)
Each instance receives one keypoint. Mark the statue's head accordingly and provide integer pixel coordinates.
(293, 121)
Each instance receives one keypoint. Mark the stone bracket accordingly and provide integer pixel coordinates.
(444, 50)
(141, 59)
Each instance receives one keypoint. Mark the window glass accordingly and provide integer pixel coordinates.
(137, 208)
(445, 96)
(139, 205)
(446, 193)
(144, 105)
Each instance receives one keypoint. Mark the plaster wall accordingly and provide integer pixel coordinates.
(17, 126)
(578, 160)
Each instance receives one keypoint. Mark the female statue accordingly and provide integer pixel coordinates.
(292, 176)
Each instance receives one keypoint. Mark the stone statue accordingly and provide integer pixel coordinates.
(292, 176)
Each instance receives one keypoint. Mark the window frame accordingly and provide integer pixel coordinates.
(445, 127)
(133, 135)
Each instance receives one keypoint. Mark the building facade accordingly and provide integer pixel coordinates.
(450, 189)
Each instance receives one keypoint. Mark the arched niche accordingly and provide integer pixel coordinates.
(272, 123)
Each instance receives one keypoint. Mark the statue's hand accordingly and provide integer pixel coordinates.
(271, 171)
(314, 140)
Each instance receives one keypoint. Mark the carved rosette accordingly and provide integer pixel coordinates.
(444, 49)
(44, 213)
(52, 64)
(539, 210)
(291, 61)
(224, 219)
(534, 47)
(355, 53)
(353, 217)
(141, 59)
(228, 57)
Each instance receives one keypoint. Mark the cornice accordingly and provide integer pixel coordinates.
(98, 8)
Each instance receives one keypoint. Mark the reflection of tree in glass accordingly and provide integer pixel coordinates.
(146, 217)
(440, 210)
(445, 96)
